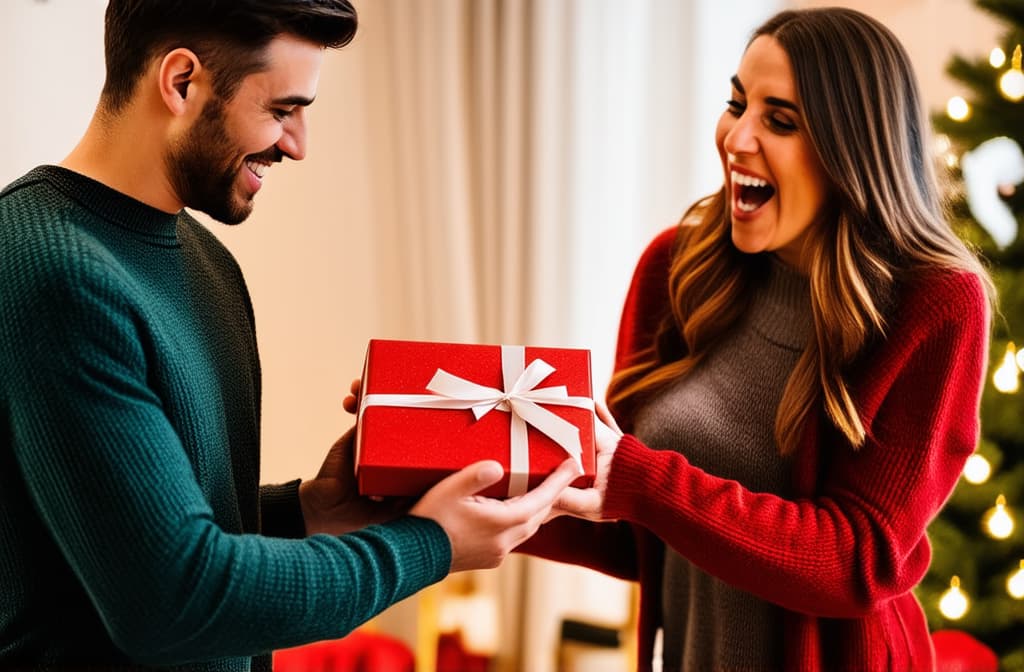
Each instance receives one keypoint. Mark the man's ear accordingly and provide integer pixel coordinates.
(179, 71)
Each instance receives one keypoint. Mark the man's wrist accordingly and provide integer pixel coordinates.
(282, 513)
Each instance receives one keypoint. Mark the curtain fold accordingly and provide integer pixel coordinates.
(522, 154)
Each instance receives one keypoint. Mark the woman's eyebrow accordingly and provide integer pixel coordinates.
(781, 102)
(771, 100)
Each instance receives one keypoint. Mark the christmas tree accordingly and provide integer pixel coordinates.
(976, 580)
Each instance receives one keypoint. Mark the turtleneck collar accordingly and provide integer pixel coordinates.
(781, 306)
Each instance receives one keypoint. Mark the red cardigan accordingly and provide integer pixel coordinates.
(842, 555)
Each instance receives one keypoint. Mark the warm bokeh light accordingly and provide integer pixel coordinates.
(977, 469)
(958, 109)
(954, 603)
(997, 58)
(998, 521)
(1006, 377)
(1011, 84)
(1015, 584)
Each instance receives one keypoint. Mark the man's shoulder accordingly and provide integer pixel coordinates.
(31, 188)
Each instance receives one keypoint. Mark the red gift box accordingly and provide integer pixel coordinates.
(429, 409)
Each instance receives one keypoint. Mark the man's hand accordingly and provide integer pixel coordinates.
(331, 502)
(483, 530)
(351, 402)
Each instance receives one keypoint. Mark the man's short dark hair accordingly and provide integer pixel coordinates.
(228, 36)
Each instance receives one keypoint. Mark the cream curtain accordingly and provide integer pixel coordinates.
(448, 97)
(522, 152)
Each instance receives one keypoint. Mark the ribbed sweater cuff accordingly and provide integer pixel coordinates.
(281, 512)
(425, 538)
(628, 475)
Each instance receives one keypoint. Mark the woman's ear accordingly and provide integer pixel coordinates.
(179, 71)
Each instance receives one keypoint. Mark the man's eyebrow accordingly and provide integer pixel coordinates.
(771, 100)
(301, 101)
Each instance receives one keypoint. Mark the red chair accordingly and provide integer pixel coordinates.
(956, 651)
(358, 652)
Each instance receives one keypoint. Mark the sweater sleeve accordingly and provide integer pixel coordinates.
(860, 539)
(111, 481)
(281, 512)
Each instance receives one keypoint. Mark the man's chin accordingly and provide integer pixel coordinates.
(231, 214)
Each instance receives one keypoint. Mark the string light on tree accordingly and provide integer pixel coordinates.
(1015, 584)
(977, 469)
(944, 150)
(1011, 84)
(954, 603)
(997, 58)
(998, 521)
(976, 535)
(958, 109)
(1006, 377)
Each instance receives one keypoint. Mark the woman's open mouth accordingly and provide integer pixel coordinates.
(750, 193)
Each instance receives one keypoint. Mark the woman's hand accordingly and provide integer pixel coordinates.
(589, 502)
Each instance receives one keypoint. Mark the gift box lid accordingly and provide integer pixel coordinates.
(410, 436)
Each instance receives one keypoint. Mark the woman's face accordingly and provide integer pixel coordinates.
(774, 180)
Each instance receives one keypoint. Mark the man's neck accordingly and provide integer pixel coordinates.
(126, 154)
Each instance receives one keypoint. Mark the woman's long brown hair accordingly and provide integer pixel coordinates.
(885, 218)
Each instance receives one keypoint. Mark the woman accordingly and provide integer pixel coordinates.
(799, 370)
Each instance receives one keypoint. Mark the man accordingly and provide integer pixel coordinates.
(132, 528)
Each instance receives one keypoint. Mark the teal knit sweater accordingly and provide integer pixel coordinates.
(130, 512)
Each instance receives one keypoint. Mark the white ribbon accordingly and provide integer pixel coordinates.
(521, 398)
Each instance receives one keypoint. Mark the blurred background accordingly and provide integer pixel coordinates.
(477, 171)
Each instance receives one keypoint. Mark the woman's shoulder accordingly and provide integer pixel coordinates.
(940, 303)
(944, 292)
(656, 257)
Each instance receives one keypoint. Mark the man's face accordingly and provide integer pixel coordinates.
(220, 162)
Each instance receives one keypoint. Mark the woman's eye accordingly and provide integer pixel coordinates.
(735, 107)
(281, 115)
(781, 124)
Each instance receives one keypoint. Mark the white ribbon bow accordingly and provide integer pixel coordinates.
(521, 398)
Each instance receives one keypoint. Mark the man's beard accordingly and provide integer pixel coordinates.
(202, 169)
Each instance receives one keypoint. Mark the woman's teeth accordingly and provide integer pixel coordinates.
(751, 192)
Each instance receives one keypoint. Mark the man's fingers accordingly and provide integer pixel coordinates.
(351, 401)
(544, 494)
(471, 479)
